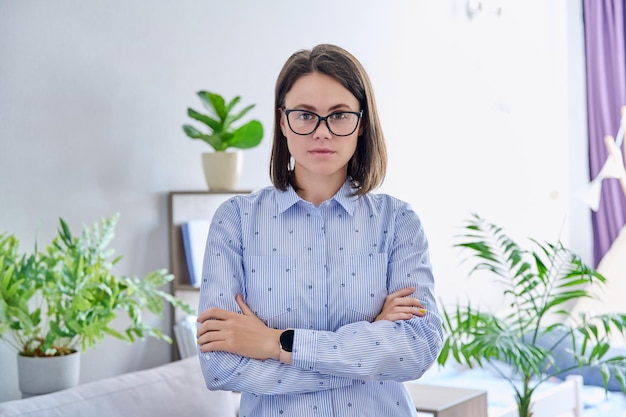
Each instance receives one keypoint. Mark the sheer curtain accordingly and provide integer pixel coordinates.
(606, 93)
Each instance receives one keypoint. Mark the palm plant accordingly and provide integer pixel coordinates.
(537, 285)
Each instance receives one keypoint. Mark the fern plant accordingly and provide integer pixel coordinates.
(66, 297)
(537, 285)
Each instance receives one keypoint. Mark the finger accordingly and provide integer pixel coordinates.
(214, 313)
(204, 315)
(243, 306)
(399, 316)
(200, 330)
(414, 311)
(406, 302)
(212, 346)
(209, 326)
(206, 337)
(417, 306)
(208, 314)
(402, 292)
(411, 302)
(211, 337)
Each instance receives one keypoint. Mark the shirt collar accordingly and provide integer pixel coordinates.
(344, 198)
(286, 199)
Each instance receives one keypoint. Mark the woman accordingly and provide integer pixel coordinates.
(313, 292)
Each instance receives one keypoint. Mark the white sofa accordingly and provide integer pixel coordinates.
(173, 389)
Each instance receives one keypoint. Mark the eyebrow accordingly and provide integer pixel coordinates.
(332, 109)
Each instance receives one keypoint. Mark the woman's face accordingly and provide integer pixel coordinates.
(320, 155)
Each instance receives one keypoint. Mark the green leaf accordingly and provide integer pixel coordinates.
(606, 374)
(215, 125)
(192, 132)
(233, 118)
(247, 136)
(232, 104)
(215, 103)
(619, 375)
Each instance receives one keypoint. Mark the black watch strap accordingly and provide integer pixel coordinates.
(286, 340)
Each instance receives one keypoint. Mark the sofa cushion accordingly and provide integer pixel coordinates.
(564, 359)
(173, 389)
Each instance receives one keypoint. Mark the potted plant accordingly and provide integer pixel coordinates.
(221, 168)
(537, 285)
(59, 301)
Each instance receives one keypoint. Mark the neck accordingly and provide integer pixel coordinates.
(316, 192)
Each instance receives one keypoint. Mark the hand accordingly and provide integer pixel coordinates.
(242, 334)
(399, 306)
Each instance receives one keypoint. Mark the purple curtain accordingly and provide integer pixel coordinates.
(605, 52)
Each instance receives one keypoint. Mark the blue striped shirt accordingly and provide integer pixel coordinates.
(325, 272)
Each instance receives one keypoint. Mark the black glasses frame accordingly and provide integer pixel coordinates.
(359, 115)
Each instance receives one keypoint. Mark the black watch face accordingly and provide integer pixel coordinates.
(286, 340)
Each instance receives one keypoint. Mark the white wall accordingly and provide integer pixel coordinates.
(93, 96)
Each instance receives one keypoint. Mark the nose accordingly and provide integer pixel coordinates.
(322, 130)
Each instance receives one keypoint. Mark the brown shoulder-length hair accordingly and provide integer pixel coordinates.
(368, 165)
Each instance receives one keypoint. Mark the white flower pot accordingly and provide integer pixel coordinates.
(38, 376)
(222, 169)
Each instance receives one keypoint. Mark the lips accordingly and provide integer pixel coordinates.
(321, 151)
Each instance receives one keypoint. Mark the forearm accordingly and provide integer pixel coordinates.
(226, 371)
(385, 350)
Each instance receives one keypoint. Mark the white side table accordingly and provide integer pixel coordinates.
(442, 401)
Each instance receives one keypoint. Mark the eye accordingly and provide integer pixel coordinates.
(339, 116)
(306, 116)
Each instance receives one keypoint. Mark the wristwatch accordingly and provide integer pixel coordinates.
(286, 340)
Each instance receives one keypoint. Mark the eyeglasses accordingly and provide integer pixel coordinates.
(340, 123)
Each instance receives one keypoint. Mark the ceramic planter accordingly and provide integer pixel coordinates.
(222, 169)
(49, 374)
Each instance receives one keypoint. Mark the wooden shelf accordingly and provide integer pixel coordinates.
(184, 206)
(185, 287)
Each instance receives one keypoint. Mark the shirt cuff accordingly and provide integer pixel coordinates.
(304, 355)
(304, 351)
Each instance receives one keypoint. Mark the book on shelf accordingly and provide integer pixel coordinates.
(195, 234)
(185, 334)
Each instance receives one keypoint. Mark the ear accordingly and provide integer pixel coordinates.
(283, 124)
